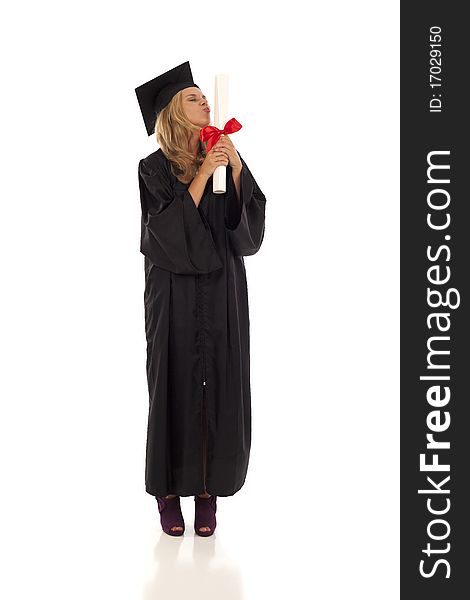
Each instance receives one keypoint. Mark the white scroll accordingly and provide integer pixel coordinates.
(219, 181)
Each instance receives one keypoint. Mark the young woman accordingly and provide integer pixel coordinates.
(196, 304)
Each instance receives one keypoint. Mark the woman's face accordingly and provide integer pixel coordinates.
(196, 107)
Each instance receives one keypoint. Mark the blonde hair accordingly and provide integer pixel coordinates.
(173, 131)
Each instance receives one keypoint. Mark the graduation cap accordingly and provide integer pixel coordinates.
(157, 93)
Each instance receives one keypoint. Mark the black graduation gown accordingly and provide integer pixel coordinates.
(197, 329)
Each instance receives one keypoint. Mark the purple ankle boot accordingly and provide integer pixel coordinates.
(170, 514)
(205, 509)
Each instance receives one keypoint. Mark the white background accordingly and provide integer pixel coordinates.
(315, 86)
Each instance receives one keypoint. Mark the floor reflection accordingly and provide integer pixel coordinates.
(193, 567)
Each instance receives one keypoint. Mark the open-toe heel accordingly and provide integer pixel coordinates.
(170, 515)
(204, 515)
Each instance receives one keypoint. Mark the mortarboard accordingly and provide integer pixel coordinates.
(157, 93)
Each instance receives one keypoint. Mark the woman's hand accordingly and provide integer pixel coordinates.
(225, 145)
(214, 158)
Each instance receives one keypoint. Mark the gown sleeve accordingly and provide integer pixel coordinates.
(245, 218)
(174, 234)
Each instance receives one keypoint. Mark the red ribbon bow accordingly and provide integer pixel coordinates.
(212, 134)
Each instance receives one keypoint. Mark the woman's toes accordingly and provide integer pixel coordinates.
(176, 528)
(204, 529)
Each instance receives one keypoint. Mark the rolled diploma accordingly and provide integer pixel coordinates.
(219, 180)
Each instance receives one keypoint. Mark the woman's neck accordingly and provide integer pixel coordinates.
(194, 143)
